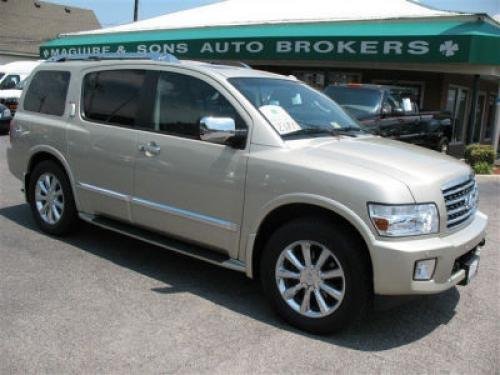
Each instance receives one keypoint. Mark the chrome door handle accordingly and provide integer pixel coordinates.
(150, 149)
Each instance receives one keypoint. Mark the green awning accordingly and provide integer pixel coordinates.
(442, 40)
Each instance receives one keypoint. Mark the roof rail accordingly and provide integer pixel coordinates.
(114, 56)
(239, 64)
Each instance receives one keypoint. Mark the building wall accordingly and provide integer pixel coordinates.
(5, 59)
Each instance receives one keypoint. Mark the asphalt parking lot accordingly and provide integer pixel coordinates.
(99, 302)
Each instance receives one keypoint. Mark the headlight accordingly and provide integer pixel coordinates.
(404, 220)
(5, 114)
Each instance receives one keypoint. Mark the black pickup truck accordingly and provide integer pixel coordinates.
(385, 111)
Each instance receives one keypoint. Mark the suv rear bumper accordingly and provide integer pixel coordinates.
(394, 261)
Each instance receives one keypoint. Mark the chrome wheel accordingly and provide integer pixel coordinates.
(49, 198)
(310, 279)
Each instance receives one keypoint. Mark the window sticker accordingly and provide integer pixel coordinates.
(279, 119)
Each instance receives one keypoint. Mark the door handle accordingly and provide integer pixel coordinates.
(150, 149)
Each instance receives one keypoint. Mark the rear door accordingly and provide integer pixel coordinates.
(185, 187)
(102, 140)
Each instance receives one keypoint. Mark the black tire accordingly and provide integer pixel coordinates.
(443, 145)
(69, 218)
(350, 254)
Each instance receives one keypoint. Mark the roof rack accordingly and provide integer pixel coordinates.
(239, 64)
(114, 56)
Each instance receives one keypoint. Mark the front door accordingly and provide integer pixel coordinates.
(102, 141)
(185, 187)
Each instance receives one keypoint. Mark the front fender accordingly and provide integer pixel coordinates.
(301, 198)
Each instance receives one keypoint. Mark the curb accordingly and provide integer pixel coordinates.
(487, 176)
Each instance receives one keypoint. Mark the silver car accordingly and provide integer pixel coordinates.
(247, 170)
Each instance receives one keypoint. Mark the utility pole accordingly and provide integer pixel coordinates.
(136, 10)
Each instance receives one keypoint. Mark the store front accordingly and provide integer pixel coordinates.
(447, 61)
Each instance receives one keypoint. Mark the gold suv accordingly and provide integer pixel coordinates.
(248, 170)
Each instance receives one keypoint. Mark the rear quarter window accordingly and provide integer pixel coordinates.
(47, 92)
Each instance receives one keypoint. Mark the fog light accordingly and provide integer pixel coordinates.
(424, 269)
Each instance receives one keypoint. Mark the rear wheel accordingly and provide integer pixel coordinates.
(315, 275)
(51, 199)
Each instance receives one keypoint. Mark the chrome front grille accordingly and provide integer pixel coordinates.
(461, 201)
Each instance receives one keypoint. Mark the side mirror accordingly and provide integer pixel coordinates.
(217, 129)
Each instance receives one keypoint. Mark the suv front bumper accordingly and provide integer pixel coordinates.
(394, 261)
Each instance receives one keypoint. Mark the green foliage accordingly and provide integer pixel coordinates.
(482, 167)
(476, 153)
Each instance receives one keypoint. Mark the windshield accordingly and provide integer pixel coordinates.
(1, 75)
(295, 109)
(10, 82)
(360, 101)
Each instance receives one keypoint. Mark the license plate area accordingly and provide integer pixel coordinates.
(468, 262)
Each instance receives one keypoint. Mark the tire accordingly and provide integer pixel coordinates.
(443, 145)
(348, 256)
(62, 199)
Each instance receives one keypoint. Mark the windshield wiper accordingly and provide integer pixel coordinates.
(309, 131)
(348, 130)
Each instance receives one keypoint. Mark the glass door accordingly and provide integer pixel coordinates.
(456, 104)
(479, 115)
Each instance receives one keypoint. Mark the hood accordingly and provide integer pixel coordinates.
(8, 94)
(416, 167)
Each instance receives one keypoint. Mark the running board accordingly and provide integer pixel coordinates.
(153, 238)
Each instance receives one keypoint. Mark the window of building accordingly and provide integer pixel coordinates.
(456, 104)
(490, 117)
(47, 92)
(478, 117)
(112, 96)
(182, 101)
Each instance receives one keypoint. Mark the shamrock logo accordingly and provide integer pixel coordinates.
(448, 48)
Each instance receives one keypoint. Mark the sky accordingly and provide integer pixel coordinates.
(116, 12)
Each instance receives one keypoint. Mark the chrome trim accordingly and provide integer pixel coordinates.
(187, 214)
(466, 188)
(227, 225)
(107, 192)
(459, 189)
(457, 181)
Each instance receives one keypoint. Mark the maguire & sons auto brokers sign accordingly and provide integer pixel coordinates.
(403, 49)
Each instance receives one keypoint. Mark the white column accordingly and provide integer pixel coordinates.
(496, 128)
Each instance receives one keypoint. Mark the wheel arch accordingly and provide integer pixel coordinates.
(44, 153)
(283, 213)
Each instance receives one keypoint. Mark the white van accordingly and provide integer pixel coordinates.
(11, 77)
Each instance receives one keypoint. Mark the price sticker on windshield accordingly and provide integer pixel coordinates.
(280, 119)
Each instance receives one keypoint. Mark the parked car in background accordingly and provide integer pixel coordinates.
(247, 170)
(387, 112)
(5, 118)
(12, 76)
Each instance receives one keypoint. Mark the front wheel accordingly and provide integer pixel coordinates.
(316, 276)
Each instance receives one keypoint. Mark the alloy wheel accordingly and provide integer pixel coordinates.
(310, 279)
(49, 198)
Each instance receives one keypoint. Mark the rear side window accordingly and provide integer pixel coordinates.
(47, 92)
(112, 96)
